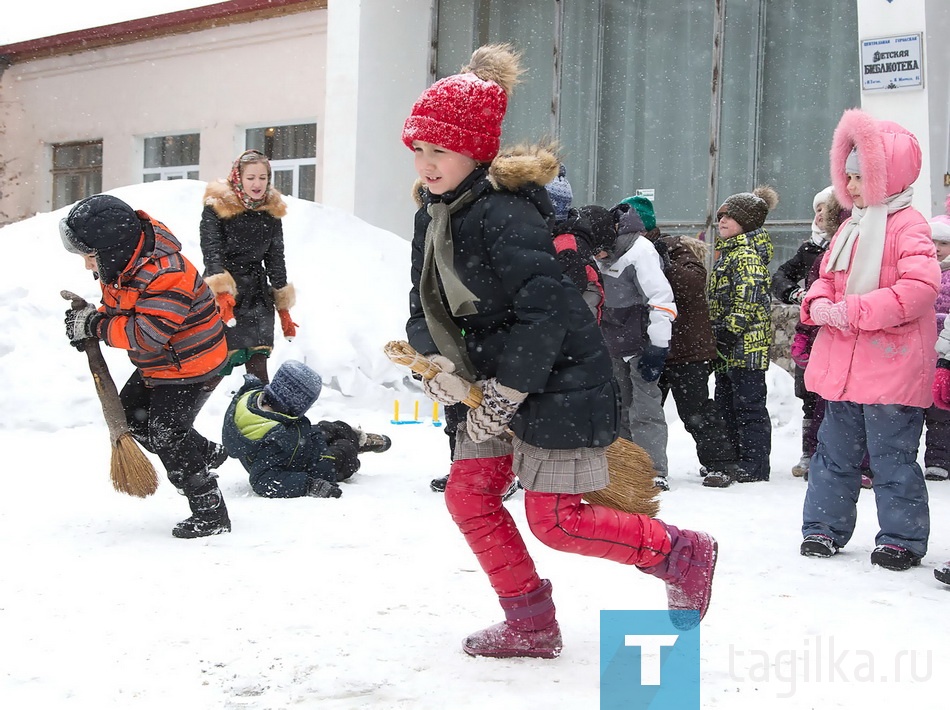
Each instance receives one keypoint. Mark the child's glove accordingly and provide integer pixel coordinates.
(226, 305)
(319, 488)
(445, 387)
(800, 352)
(824, 312)
(725, 342)
(82, 324)
(499, 404)
(941, 389)
(796, 296)
(651, 362)
(287, 324)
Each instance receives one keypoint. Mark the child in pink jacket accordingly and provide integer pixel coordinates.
(873, 358)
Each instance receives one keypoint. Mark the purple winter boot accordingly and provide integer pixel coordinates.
(688, 573)
(529, 630)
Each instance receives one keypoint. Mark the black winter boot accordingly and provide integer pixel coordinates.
(209, 516)
(373, 443)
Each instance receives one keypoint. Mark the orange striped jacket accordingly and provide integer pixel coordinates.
(161, 311)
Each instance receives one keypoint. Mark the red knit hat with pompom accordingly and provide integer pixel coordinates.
(463, 112)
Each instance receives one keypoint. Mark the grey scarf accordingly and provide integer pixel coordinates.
(438, 263)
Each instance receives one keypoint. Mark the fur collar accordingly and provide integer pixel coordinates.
(221, 198)
(513, 169)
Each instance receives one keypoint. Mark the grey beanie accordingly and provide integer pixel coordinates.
(294, 389)
(853, 163)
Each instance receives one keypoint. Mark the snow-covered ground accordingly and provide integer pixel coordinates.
(362, 602)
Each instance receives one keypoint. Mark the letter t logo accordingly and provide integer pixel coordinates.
(650, 646)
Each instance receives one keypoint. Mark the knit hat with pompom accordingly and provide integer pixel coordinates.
(463, 112)
(750, 209)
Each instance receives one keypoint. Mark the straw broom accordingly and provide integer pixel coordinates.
(631, 488)
(129, 468)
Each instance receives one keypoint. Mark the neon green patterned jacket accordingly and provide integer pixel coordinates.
(740, 298)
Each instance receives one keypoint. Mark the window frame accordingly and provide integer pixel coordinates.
(170, 172)
(86, 174)
(291, 165)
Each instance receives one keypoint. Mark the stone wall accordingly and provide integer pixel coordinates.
(784, 320)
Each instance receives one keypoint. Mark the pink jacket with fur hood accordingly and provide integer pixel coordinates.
(887, 354)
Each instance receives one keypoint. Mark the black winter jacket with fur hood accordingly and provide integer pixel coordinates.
(244, 250)
(532, 330)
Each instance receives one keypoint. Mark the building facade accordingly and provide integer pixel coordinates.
(687, 102)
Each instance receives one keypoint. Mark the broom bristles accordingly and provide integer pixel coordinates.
(131, 471)
(631, 488)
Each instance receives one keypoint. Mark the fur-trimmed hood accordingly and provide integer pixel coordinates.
(221, 198)
(512, 169)
(889, 154)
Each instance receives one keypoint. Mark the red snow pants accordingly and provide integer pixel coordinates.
(559, 520)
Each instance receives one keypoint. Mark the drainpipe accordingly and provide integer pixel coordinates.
(715, 117)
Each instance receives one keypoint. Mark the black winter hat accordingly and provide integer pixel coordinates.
(628, 218)
(99, 223)
(750, 209)
(603, 227)
(294, 389)
(105, 226)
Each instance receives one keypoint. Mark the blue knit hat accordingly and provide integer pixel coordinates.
(561, 194)
(294, 389)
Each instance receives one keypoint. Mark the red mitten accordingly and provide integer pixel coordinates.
(800, 350)
(287, 324)
(226, 307)
(941, 388)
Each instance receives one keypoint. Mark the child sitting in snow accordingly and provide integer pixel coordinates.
(287, 457)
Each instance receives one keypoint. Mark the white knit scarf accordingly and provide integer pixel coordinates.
(868, 223)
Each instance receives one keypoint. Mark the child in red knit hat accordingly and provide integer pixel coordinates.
(490, 304)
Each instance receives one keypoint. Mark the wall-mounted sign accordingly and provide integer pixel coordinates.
(892, 63)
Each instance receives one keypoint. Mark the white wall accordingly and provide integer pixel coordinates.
(377, 65)
(938, 75)
(217, 82)
(911, 107)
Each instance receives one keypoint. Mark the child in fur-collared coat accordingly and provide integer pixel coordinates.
(873, 358)
(242, 242)
(490, 303)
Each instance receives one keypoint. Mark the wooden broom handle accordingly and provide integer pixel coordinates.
(105, 386)
(402, 353)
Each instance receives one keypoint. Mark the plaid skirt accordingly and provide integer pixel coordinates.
(542, 470)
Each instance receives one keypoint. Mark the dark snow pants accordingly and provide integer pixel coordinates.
(688, 382)
(890, 433)
(161, 418)
(741, 394)
(937, 443)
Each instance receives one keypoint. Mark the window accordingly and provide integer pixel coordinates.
(293, 156)
(625, 87)
(77, 171)
(171, 157)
